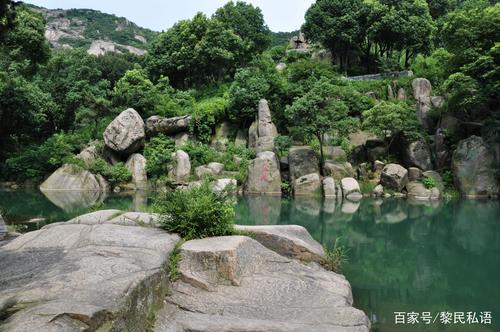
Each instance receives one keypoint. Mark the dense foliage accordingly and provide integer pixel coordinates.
(198, 212)
(55, 102)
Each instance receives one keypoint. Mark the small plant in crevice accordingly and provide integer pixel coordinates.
(335, 258)
(429, 182)
(175, 258)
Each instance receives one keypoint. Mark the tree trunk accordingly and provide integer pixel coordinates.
(321, 156)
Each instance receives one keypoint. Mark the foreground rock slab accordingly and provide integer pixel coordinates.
(79, 277)
(287, 240)
(236, 284)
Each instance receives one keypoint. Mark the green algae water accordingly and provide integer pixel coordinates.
(404, 258)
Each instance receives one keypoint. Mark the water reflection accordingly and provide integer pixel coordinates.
(70, 201)
(410, 255)
(3, 229)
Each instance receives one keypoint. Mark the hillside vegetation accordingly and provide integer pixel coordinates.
(53, 103)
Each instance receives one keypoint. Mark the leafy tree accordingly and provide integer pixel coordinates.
(114, 65)
(135, 90)
(434, 67)
(248, 23)
(319, 112)
(7, 16)
(73, 79)
(259, 80)
(26, 39)
(336, 24)
(195, 51)
(389, 120)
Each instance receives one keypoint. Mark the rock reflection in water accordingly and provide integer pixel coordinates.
(3, 229)
(71, 201)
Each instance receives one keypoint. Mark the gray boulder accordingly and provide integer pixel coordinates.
(287, 240)
(417, 191)
(252, 288)
(262, 132)
(125, 134)
(334, 153)
(394, 177)
(136, 164)
(401, 94)
(339, 170)
(216, 168)
(302, 160)
(422, 90)
(68, 276)
(202, 172)
(181, 139)
(169, 126)
(422, 87)
(221, 185)
(378, 191)
(351, 189)
(414, 174)
(307, 185)
(329, 187)
(253, 135)
(438, 180)
(89, 155)
(418, 154)
(473, 169)
(264, 175)
(181, 169)
(73, 178)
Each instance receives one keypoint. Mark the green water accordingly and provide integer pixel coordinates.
(403, 256)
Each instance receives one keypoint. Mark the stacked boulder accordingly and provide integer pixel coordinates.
(304, 171)
(264, 175)
(262, 132)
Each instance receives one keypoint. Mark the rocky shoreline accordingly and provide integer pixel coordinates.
(108, 271)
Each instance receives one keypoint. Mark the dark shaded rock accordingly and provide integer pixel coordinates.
(169, 126)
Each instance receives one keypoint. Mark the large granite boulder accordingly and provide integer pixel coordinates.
(74, 178)
(334, 153)
(473, 169)
(417, 191)
(78, 277)
(351, 189)
(302, 160)
(287, 240)
(89, 155)
(422, 90)
(126, 133)
(236, 284)
(264, 175)
(418, 154)
(136, 164)
(169, 126)
(220, 185)
(262, 132)
(339, 170)
(241, 139)
(438, 180)
(329, 187)
(394, 177)
(307, 185)
(181, 169)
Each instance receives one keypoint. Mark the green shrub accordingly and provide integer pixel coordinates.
(429, 182)
(200, 154)
(196, 213)
(367, 187)
(115, 174)
(175, 258)
(206, 114)
(158, 153)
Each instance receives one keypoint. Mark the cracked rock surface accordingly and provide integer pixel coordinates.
(236, 284)
(86, 275)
